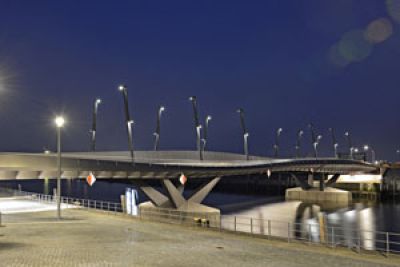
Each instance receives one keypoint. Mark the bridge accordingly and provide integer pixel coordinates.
(167, 166)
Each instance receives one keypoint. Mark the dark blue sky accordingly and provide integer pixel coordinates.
(286, 63)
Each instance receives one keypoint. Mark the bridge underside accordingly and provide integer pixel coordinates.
(167, 165)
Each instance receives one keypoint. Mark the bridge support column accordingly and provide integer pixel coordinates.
(175, 199)
(311, 179)
(333, 180)
(322, 182)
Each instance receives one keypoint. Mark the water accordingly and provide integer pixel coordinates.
(368, 216)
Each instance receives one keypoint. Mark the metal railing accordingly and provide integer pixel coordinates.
(68, 202)
(360, 240)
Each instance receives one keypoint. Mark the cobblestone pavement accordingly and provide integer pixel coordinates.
(85, 238)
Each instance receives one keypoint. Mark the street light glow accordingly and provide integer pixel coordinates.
(98, 101)
(121, 87)
(59, 121)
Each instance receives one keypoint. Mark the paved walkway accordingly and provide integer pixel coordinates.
(85, 238)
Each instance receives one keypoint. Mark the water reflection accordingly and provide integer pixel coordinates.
(351, 226)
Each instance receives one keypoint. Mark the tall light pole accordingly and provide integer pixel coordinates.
(59, 121)
(347, 134)
(161, 109)
(369, 148)
(315, 145)
(197, 125)
(334, 142)
(96, 104)
(123, 89)
(245, 133)
(276, 145)
(298, 142)
(205, 133)
(313, 136)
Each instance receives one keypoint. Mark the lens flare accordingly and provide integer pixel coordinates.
(378, 30)
(393, 9)
(354, 47)
(336, 58)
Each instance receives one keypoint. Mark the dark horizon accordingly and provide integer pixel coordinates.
(286, 63)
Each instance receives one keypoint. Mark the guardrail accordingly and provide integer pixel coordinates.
(68, 201)
(387, 243)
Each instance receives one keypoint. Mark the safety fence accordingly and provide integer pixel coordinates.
(67, 202)
(359, 240)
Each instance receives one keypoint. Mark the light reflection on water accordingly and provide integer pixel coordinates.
(350, 226)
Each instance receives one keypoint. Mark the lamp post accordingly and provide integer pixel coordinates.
(347, 134)
(313, 136)
(315, 145)
(123, 89)
(161, 109)
(197, 125)
(205, 133)
(334, 142)
(369, 148)
(96, 104)
(59, 121)
(276, 145)
(298, 142)
(245, 133)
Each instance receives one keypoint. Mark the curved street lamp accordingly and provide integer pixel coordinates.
(351, 148)
(59, 122)
(370, 148)
(205, 133)
(96, 104)
(128, 121)
(315, 145)
(298, 142)
(197, 124)
(245, 133)
(334, 142)
(156, 133)
(276, 145)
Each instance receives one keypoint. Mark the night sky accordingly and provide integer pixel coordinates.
(285, 62)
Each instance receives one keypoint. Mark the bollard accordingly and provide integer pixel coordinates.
(251, 225)
(0, 219)
(333, 237)
(309, 234)
(234, 222)
(288, 232)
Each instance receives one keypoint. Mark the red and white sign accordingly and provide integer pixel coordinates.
(90, 179)
(183, 179)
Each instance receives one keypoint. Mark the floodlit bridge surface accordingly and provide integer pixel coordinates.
(168, 165)
(164, 165)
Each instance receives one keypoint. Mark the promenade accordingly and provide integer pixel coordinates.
(87, 238)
